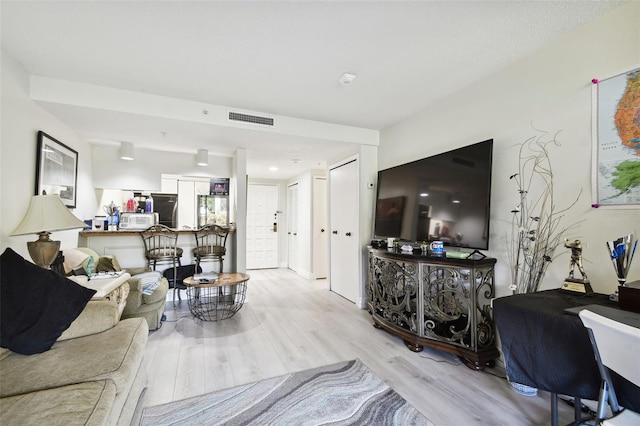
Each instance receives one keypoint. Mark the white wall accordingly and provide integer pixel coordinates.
(144, 172)
(20, 121)
(238, 205)
(367, 194)
(550, 89)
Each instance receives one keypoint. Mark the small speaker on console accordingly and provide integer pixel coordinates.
(379, 244)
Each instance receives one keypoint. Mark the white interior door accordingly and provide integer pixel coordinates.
(344, 236)
(262, 226)
(320, 230)
(292, 226)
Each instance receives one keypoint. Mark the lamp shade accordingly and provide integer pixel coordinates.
(47, 213)
(126, 151)
(203, 157)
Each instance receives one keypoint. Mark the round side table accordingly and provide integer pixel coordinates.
(218, 300)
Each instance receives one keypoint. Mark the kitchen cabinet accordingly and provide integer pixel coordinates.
(188, 191)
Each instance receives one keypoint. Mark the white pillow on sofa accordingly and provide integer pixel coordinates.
(72, 259)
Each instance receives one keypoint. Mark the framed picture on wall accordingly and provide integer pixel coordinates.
(56, 169)
(616, 145)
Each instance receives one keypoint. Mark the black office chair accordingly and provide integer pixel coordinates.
(180, 272)
(211, 243)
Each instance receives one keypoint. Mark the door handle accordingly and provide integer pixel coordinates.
(322, 230)
(335, 232)
(348, 234)
(275, 227)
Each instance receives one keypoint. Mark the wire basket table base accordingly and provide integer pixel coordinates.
(219, 300)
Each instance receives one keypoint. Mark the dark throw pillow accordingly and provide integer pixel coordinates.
(36, 305)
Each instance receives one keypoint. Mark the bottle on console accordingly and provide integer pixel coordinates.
(148, 205)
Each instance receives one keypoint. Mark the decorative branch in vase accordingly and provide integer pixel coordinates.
(536, 223)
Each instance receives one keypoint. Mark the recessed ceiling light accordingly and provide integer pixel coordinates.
(456, 201)
(346, 78)
(273, 169)
(424, 194)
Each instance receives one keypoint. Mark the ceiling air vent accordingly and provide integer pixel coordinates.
(253, 119)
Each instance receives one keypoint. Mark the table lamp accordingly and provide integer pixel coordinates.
(46, 213)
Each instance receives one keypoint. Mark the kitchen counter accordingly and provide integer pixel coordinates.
(128, 247)
(102, 233)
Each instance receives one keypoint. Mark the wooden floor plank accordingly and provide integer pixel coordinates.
(289, 323)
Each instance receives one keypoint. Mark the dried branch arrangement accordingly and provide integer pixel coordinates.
(536, 230)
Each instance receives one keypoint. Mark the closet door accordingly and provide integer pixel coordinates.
(344, 248)
(320, 230)
(292, 226)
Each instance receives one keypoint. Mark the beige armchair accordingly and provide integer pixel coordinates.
(138, 304)
(148, 306)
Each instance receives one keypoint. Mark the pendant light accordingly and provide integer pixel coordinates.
(126, 151)
(202, 157)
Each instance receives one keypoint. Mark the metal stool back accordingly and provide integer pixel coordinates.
(161, 246)
(211, 243)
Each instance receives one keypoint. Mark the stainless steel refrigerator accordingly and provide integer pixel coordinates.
(166, 205)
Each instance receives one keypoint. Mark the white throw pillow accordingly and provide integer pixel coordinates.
(72, 259)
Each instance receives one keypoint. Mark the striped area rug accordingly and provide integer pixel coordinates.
(347, 393)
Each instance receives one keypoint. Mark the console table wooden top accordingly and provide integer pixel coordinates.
(439, 260)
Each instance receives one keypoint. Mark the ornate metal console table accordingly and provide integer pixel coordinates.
(438, 302)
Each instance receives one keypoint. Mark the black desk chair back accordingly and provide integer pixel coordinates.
(180, 272)
(616, 347)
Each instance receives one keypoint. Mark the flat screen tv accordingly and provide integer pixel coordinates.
(444, 197)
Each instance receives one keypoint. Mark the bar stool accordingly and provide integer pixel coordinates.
(211, 243)
(160, 246)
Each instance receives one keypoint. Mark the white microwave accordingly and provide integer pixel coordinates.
(137, 221)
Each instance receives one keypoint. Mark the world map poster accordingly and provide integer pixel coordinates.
(617, 131)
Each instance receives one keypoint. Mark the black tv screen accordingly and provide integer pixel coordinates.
(445, 197)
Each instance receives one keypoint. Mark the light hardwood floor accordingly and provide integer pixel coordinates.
(290, 324)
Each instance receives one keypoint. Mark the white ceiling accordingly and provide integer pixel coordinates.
(281, 58)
